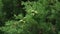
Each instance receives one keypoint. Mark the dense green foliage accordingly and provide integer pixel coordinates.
(29, 16)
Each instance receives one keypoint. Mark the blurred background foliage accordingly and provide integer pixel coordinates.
(29, 16)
